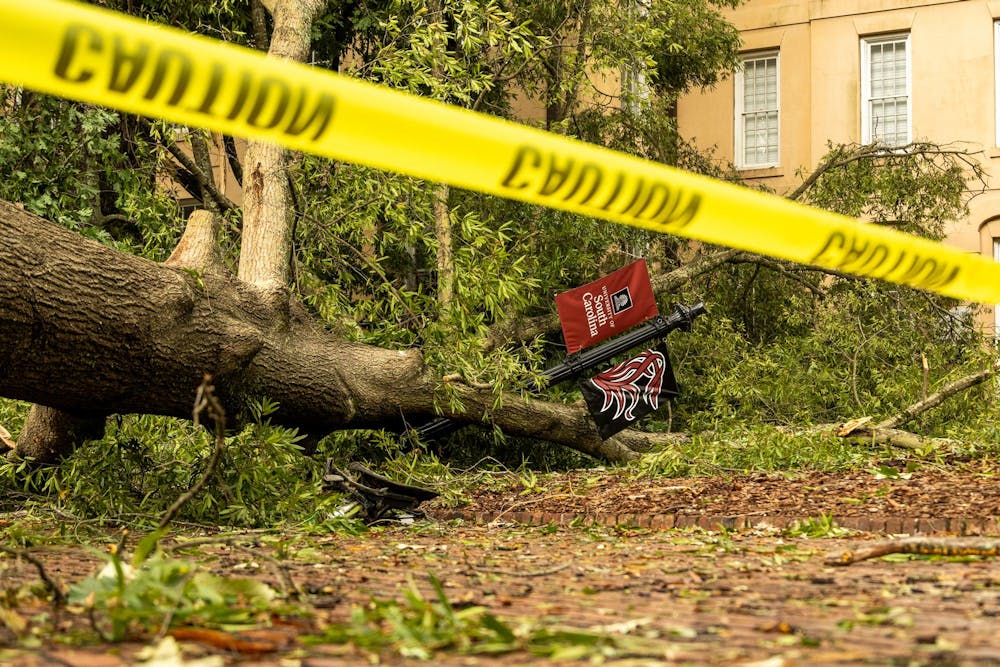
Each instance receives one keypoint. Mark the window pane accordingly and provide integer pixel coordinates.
(887, 93)
(759, 122)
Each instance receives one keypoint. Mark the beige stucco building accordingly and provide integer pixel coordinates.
(853, 71)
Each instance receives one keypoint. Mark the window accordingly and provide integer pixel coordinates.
(757, 112)
(885, 89)
(187, 206)
(996, 75)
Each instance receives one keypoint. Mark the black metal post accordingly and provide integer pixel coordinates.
(579, 363)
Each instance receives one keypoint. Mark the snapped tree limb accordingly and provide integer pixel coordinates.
(936, 399)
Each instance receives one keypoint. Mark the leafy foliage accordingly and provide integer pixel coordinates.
(86, 168)
(817, 527)
(145, 462)
(421, 627)
(129, 600)
(792, 344)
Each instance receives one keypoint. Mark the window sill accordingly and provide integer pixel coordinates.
(763, 172)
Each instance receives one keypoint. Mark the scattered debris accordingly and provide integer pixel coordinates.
(376, 497)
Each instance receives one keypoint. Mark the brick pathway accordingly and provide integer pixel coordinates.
(893, 525)
(744, 596)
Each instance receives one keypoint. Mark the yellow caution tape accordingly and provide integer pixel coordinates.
(93, 55)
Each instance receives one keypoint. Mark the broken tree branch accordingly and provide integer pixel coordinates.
(847, 154)
(936, 399)
(858, 431)
(923, 546)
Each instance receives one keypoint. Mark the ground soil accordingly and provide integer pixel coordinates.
(724, 570)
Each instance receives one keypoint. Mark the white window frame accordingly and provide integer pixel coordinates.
(996, 77)
(866, 84)
(739, 143)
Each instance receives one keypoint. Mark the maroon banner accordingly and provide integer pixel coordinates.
(622, 395)
(606, 307)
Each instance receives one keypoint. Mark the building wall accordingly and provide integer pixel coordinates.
(953, 88)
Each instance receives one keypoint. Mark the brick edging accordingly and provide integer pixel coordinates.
(878, 524)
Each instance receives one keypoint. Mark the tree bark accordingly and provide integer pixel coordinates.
(91, 331)
(49, 434)
(265, 250)
(936, 399)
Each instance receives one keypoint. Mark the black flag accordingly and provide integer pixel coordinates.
(629, 391)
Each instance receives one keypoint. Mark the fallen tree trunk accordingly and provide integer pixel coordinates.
(90, 331)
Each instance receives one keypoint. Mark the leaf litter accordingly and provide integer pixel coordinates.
(503, 593)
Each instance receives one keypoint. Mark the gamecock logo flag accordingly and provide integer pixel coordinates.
(622, 395)
(599, 310)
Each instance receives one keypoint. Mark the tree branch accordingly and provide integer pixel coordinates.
(204, 181)
(850, 153)
(936, 399)
(233, 157)
(787, 270)
(926, 546)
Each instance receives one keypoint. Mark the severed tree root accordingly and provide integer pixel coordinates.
(925, 546)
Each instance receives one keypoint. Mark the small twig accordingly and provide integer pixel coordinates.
(57, 594)
(205, 400)
(285, 579)
(168, 619)
(92, 615)
(515, 573)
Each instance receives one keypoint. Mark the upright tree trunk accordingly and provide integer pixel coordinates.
(266, 247)
(442, 214)
(49, 433)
